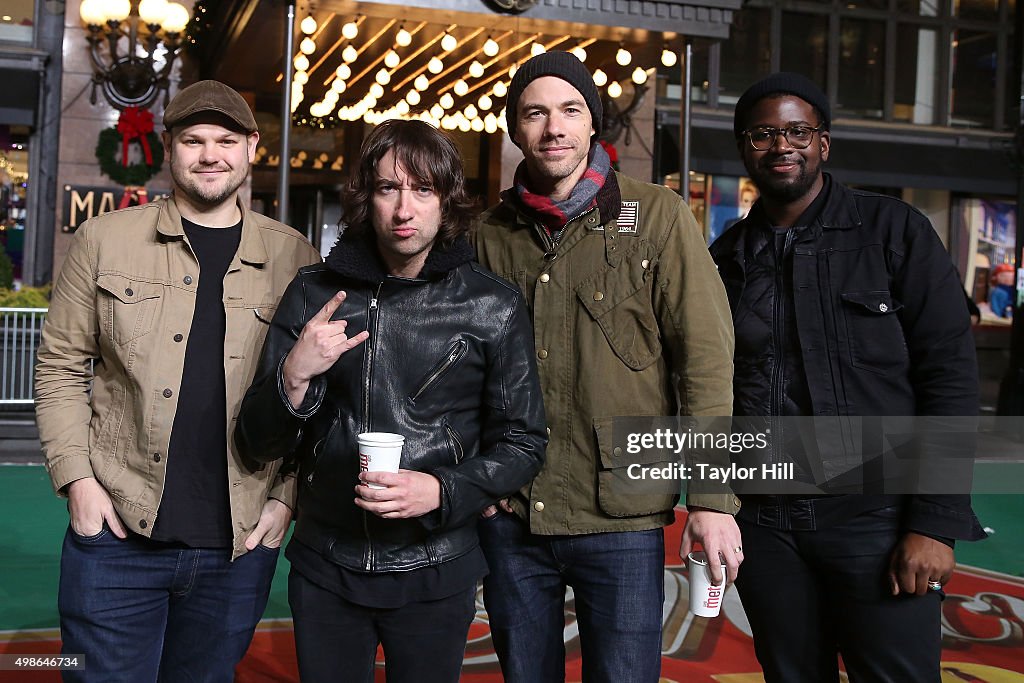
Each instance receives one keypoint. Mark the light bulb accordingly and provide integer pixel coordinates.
(614, 89)
(350, 30)
(448, 42)
(402, 107)
(331, 96)
(349, 54)
(580, 53)
(477, 125)
(376, 91)
(152, 12)
(403, 37)
(600, 78)
(338, 86)
(301, 77)
(391, 59)
(308, 25)
(435, 65)
(491, 47)
(484, 102)
(176, 18)
(421, 83)
(447, 101)
(537, 49)
(437, 111)
(622, 57)
(639, 76)
(465, 125)
(460, 87)
(117, 10)
(343, 72)
(470, 111)
(93, 12)
(413, 97)
(669, 58)
(383, 77)
(301, 63)
(500, 89)
(476, 69)
(512, 70)
(307, 46)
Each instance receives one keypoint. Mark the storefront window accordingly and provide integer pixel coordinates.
(861, 67)
(16, 21)
(974, 79)
(746, 56)
(916, 74)
(809, 55)
(988, 228)
(985, 10)
(13, 186)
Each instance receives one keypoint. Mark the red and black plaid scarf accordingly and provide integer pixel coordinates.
(553, 215)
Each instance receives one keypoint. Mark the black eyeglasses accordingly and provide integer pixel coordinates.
(763, 138)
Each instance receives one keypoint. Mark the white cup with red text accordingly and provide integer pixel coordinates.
(380, 452)
(705, 597)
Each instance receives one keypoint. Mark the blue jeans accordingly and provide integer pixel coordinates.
(618, 580)
(812, 595)
(141, 611)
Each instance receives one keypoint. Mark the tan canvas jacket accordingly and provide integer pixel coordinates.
(125, 298)
(626, 316)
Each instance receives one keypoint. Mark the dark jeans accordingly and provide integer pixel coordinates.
(336, 640)
(812, 594)
(140, 611)
(618, 580)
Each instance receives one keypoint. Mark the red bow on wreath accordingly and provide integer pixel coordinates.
(135, 123)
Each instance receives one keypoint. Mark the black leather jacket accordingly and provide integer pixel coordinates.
(871, 321)
(449, 364)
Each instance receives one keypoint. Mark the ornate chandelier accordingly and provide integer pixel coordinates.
(142, 39)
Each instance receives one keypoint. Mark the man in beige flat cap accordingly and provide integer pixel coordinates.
(153, 334)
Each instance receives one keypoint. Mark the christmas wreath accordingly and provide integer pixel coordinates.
(134, 125)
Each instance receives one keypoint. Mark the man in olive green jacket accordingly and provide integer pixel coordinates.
(153, 335)
(630, 319)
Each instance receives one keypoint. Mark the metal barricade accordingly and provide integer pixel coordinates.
(19, 338)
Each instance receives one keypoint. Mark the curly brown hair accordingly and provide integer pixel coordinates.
(425, 153)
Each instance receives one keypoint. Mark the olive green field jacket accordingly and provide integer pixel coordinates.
(630, 319)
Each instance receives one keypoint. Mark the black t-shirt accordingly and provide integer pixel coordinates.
(388, 590)
(195, 509)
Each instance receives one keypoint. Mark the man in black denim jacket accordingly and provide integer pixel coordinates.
(845, 303)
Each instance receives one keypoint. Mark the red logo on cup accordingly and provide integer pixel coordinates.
(714, 597)
(364, 462)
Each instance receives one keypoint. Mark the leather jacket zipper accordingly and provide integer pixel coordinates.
(321, 445)
(371, 324)
(455, 354)
(456, 444)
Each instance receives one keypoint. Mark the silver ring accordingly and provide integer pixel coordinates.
(934, 585)
(738, 549)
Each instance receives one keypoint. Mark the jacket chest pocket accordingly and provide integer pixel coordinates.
(620, 302)
(127, 307)
(874, 331)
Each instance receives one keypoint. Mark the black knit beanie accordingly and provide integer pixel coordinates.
(786, 83)
(564, 65)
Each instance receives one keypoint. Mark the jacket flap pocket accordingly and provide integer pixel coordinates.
(613, 446)
(880, 302)
(126, 289)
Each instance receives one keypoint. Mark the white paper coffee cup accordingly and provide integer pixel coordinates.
(380, 452)
(705, 597)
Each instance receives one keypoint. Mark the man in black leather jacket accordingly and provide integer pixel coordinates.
(398, 331)
(845, 303)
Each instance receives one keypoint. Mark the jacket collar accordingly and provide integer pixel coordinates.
(356, 257)
(251, 248)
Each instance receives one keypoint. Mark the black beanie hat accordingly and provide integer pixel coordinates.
(563, 65)
(787, 83)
